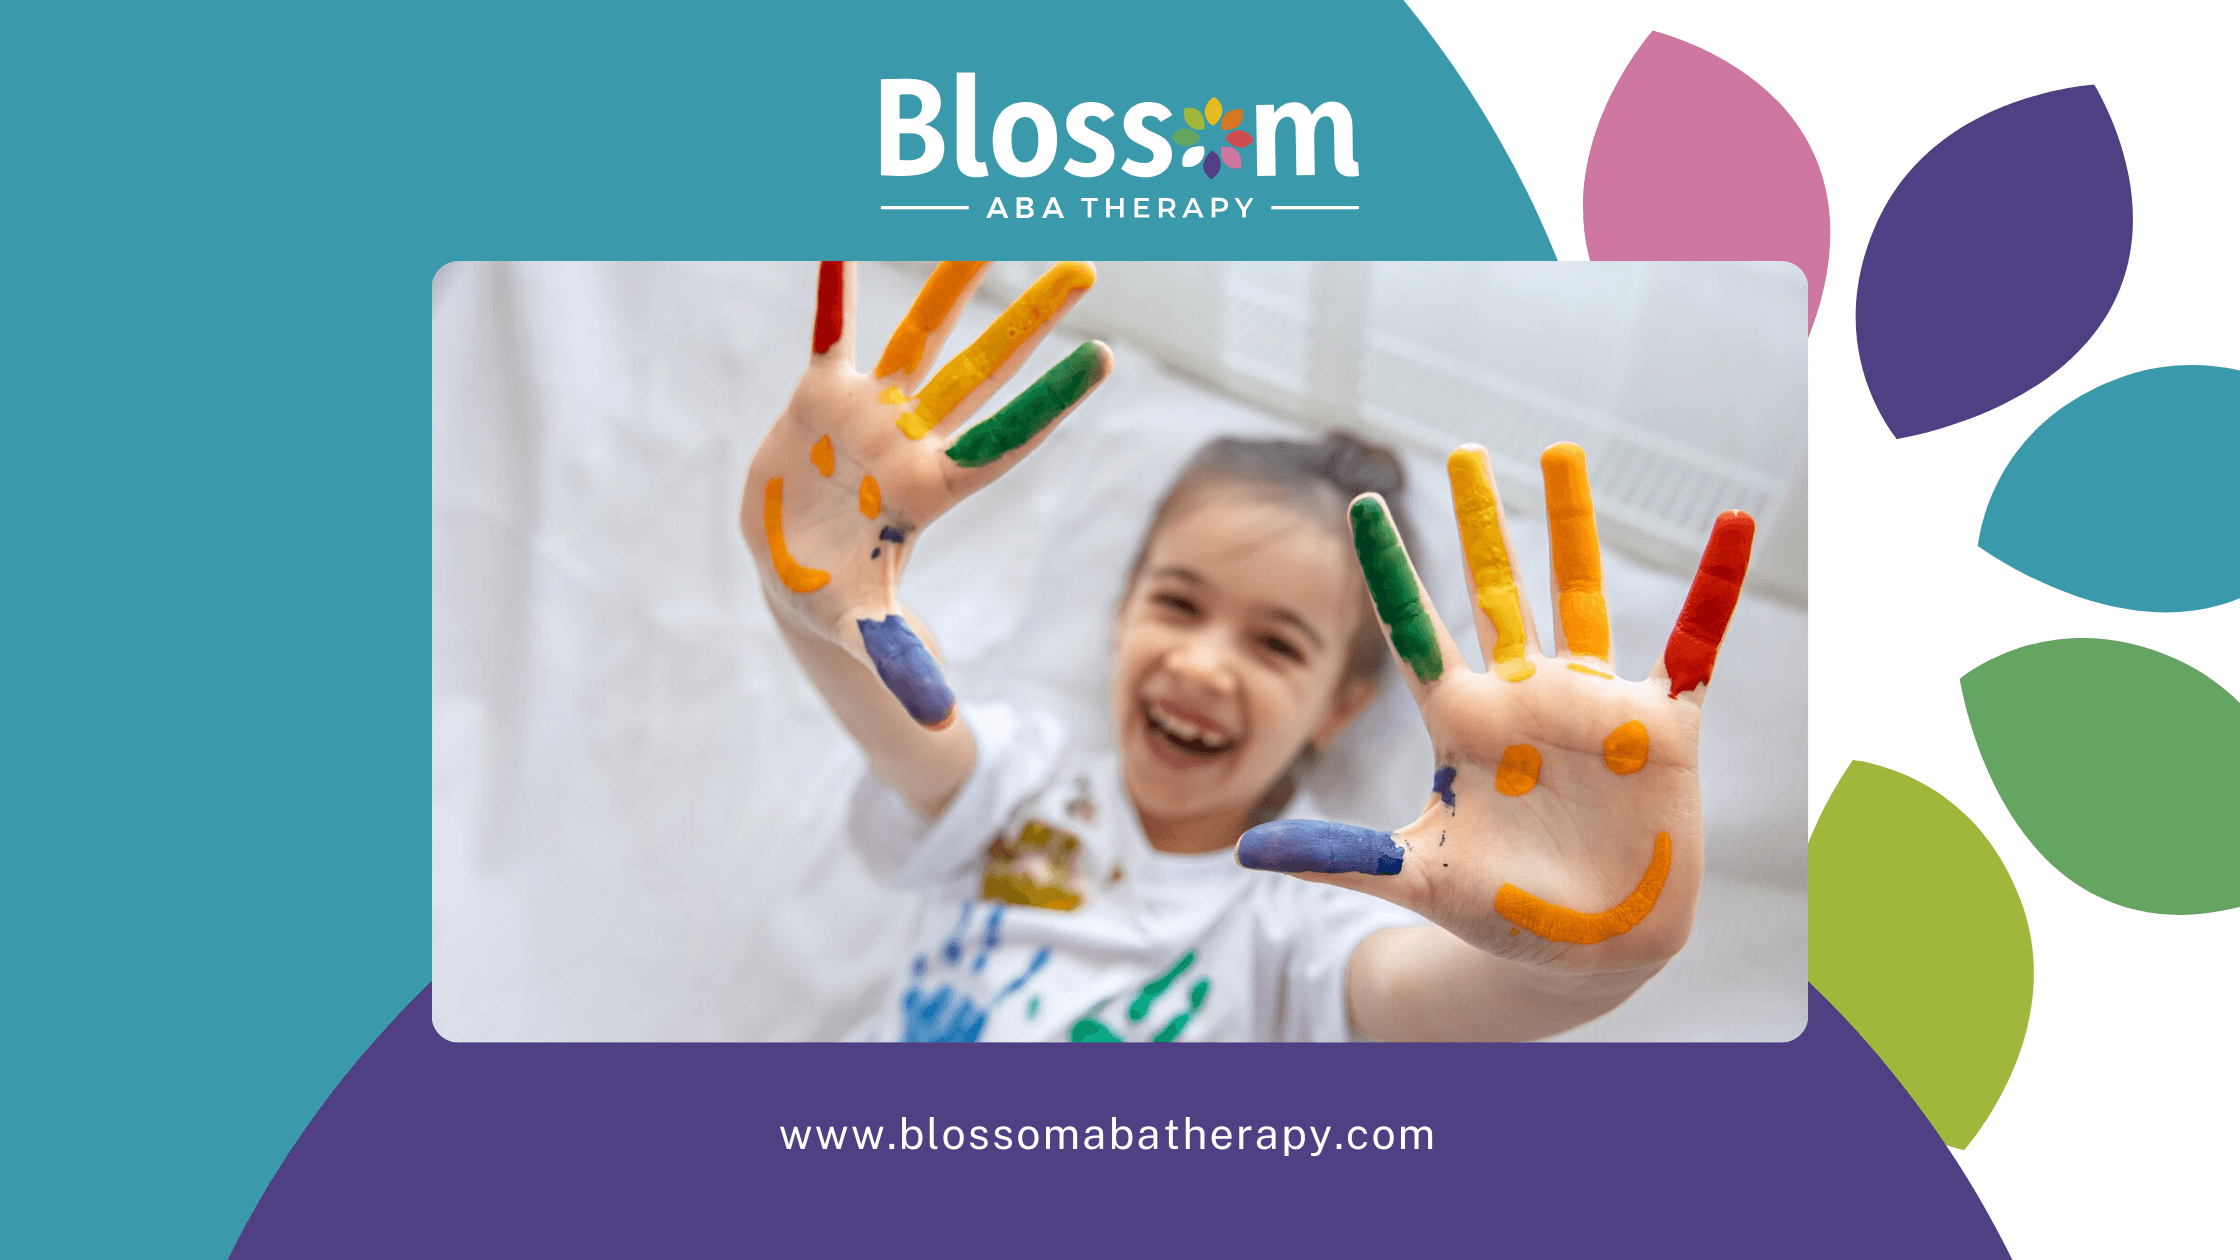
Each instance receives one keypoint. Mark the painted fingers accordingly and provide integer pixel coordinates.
(1694, 645)
(1505, 630)
(1411, 624)
(1575, 556)
(918, 338)
(967, 380)
(988, 449)
(832, 336)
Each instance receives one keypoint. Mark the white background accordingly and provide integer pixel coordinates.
(2114, 1136)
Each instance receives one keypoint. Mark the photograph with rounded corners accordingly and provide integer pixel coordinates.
(1132, 651)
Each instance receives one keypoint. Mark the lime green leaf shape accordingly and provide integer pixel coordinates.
(2120, 765)
(1919, 939)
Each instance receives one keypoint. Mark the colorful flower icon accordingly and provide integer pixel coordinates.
(1210, 158)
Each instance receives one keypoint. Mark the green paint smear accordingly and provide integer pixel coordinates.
(2117, 762)
(1175, 1026)
(1392, 584)
(1150, 993)
(1918, 937)
(1032, 411)
(1089, 1028)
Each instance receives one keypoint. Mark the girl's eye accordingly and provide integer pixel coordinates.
(1175, 602)
(1281, 647)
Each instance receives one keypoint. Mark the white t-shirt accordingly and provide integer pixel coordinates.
(1049, 917)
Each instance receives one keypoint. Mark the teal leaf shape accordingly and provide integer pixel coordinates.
(1918, 937)
(2119, 763)
(2151, 455)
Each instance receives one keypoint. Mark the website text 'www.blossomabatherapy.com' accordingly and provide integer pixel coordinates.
(1186, 1134)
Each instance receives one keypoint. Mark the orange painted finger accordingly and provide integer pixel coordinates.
(1575, 553)
(917, 339)
(833, 333)
(964, 382)
(1549, 921)
(1694, 645)
(1504, 629)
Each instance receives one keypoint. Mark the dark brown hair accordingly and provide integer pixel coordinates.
(1320, 478)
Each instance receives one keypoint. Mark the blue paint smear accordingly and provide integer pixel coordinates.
(1328, 848)
(890, 534)
(908, 669)
(990, 938)
(1443, 784)
(946, 1013)
(941, 1016)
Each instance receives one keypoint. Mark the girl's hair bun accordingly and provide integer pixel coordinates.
(1357, 467)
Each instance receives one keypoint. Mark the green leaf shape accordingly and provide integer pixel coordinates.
(1185, 136)
(2119, 763)
(1194, 118)
(1918, 937)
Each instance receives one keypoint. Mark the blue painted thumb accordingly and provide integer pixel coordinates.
(1297, 844)
(909, 671)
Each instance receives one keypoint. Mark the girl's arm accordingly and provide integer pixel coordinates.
(1561, 849)
(857, 465)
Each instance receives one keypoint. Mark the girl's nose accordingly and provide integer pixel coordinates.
(1201, 659)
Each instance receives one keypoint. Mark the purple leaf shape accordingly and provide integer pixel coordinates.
(1213, 165)
(1694, 161)
(1994, 261)
(433, 1149)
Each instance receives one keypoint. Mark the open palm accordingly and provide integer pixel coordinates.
(1565, 826)
(857, 464)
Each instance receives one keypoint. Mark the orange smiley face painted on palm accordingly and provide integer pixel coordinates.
(1565, 824)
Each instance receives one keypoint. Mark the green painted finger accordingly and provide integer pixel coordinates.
(1032, 411)
(1918, 937)
(1392, 584)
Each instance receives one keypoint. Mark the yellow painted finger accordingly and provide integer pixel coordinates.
(938, 302)
(1581, 613)
(1477, 513)
(799, 578)
(999, 348)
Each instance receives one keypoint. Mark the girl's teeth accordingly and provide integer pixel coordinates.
(1185, 731)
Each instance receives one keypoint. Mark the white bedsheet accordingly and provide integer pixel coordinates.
(637, 798)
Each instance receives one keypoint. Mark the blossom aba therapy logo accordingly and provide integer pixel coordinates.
(921, 131)
(1203, 153)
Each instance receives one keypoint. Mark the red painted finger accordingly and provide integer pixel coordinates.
(832, 299)
(1694, 645)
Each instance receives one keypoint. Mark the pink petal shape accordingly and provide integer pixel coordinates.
(1693, 160)
(1231, 159)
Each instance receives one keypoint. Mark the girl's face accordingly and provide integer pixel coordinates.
(1231, 654)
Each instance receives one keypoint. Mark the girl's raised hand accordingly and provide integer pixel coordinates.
(1565, 826)
(857, 465)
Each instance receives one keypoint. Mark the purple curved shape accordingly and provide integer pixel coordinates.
(432, 1149)
(1994, 261)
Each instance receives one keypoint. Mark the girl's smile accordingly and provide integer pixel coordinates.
(1230, 659)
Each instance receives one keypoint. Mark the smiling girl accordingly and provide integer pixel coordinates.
(1108, 897)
